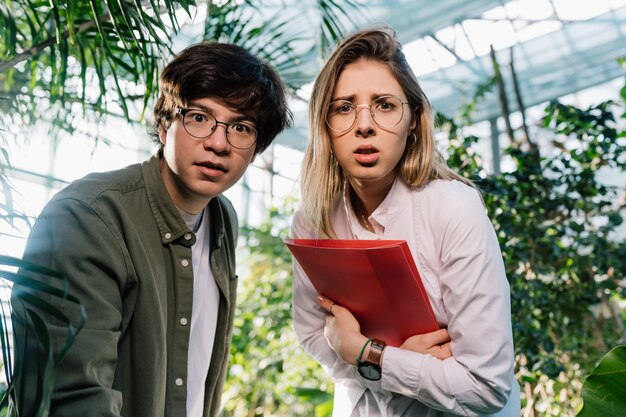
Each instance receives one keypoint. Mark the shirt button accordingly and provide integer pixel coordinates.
(168, 235)
(184, 263)
(187, 236)
(183, 321)
(179, 382)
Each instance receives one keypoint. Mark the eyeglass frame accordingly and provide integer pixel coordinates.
(369, 106)
(183, 111)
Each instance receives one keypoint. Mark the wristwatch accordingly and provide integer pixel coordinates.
(370, 367)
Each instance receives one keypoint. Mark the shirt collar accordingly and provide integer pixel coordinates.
(395, 201)
(384, 214)
(171, 224)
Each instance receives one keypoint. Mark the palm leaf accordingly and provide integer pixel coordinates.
(5, 337)
(332, 13)
(280, 38)
(39, 298)
(131, 37)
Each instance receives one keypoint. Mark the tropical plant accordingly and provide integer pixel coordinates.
(556, 220)
(68, 65)
(69, 62)
(269, 373)
(37, 297)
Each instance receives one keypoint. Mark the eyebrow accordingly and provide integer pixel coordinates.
(242, 118)
(373, 96)
(346, 98)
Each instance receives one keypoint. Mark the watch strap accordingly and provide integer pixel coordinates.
(376, 351)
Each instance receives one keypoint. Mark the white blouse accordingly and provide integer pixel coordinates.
(457, 254)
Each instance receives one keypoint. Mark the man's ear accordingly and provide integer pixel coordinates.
(162, 133)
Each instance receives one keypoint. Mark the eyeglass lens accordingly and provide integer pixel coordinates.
(387, 111)
(201, 125)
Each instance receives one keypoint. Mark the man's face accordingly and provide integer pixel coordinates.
(196, 170)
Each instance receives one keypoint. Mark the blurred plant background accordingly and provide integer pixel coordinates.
(66, 67)
(556, 221)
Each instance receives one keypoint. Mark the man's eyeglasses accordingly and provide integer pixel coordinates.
(386, 111)
(200, 125)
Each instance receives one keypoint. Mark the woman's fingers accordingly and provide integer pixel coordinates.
(438, 337)
(436, 343)
(441, 351)
(327, 304)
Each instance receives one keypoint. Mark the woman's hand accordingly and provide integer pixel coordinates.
(342, 331)
(436, 343)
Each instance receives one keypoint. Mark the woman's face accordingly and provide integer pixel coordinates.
(368, 152)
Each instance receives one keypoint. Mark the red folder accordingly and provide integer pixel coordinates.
(376, 280)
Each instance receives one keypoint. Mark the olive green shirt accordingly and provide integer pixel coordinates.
(126, 252)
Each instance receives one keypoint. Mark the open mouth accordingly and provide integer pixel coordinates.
(365, 150)
(366, 155)
(210, 165)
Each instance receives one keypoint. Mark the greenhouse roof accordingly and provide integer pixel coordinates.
(557, 47)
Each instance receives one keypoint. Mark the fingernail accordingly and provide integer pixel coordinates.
(320, 299)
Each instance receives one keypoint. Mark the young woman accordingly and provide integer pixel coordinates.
(371, 171)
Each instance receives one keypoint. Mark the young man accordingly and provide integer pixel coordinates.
(149, 250)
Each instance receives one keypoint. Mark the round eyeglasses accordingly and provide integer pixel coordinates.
(386, 111)
(201, 124)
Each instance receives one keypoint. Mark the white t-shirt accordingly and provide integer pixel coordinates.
(203, 314)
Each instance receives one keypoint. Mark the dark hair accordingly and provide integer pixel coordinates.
(231, 74)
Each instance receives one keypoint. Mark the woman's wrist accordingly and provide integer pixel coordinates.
(356, 347)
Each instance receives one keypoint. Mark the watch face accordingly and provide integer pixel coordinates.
(369, 371)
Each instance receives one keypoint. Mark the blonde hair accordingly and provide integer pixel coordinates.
(322, 177)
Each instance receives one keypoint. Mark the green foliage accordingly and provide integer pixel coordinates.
(604, 391)
(61, 61)
(237, 22)
(37, 298)
(66, 63)
(555, 221)
(269, 373)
